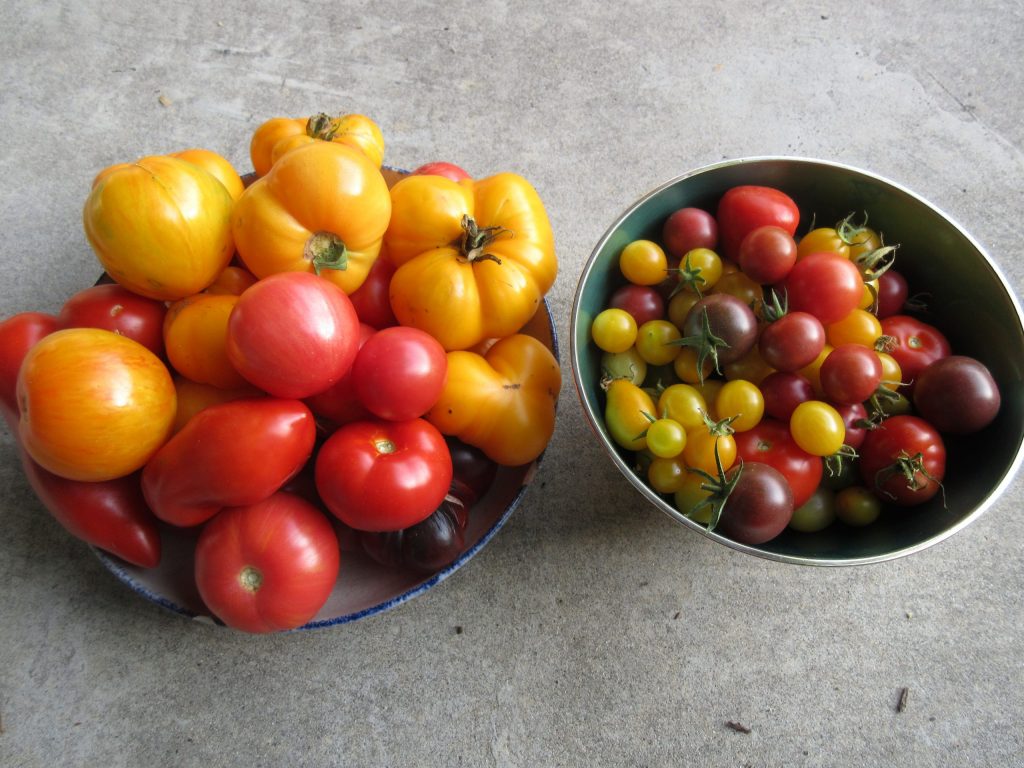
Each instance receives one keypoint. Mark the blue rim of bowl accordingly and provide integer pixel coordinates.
(115, 566)
(590, 408)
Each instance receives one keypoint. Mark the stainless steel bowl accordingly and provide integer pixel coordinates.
(971, 301)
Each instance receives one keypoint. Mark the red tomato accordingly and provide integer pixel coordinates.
(399, 373)
(827, 285)
(643, 302)
(745, 208)
(783, 392)
(771, 443)
(18, 334)
(268, 566)
(915, 345)
(114, 308)
(792, 342)
(893, 293)
(850, 374)
(339, 403)
(293, 334)
(441, 168)
(854, 415)
(686, 229)
(903, 460)
(383, 475)
(767, 254)
(371, 300)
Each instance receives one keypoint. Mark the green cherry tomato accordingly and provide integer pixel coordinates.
(689, 497)
(857, 506)
(815, 514)
(624, 365)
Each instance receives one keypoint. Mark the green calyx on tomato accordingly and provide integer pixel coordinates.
(322, 126)
(874, 264)
(719, 488)
(706, 343)
(475, 238)
(325, 250)
(689, 277)
(912, 468)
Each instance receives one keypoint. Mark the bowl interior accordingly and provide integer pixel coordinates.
(968, 299)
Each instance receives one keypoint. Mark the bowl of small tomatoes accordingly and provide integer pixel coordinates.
(801, 360)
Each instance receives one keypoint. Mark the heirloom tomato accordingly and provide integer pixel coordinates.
(759, 504)
(279, 135)
(268, 566)
(114, 308)
(338, 403)
(231, 281)
(399, 373)
(474, 259)
(371, 300)
(194, 397)
(441, 168)
(94, 405)
(502, 402)
(160, 226)
(18, 334)
(322, 208)
(903, 460)
(195, 335)
(379, 475)
(427, 546)
(217, 166)
(743, 209)
(292, 334)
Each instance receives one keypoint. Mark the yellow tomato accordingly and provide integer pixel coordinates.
(94, 405)
(217, 166)
(858, 327)
(195, 337)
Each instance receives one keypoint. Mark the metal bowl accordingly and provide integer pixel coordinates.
(972, 304)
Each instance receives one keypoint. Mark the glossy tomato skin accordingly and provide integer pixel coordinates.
(18, 334)
(850, 374)
(93, 405)
(293, 334)
(783, 392)
(268, 566)
(893, 292)
(767, 254)
(686, 229)
(379, 475)
(957, 395)
(371, 301)
(915, 345)
(759, 507)
(907, 436)
(115, 308)
(743, 209)
(643, 302)
(428, 546)
(441, 168)
(398, 374)
(338, 403)
(770, 443)
(825, 284)
(229, 454)
(472, 472)
(792, 342)
(730, 319)
(111, 514)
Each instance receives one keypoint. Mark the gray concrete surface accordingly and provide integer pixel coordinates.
(571, 652)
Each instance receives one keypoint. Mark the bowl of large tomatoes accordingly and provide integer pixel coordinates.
(801, 360)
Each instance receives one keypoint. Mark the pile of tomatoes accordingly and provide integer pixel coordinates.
(765, 380)
(326, 353)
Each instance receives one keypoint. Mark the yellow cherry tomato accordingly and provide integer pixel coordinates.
(679, 307)
(751, 367)
(626, 414)
(738, 284)
(817, 427)
(699, 452)
(643, 262)
(822, 240)
(683, 403)
(858, 327)
(690, 496)
(686, 369)
(892, 374)
(654, 342)
(812, 371)
(666, 438)
(666, 475)
(614, 330)
(700, 270)
(740, 399)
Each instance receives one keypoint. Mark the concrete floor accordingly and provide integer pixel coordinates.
(570, 652)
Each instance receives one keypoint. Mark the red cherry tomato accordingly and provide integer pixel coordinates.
(643, 302)
(792, 342)
(268, 566)
(687, 229)
(114, 308)
(903, 460)
(915, 345)
(771, 443)
(850, 374)
(827, 285)
(957, 395)
(767, 254)
(745, 208)
(893, 292)
(383, 475)
(399, 373)
(783, 392)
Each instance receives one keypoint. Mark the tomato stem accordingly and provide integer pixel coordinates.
(250, 579)
(719, 488)
(475, 239)
(322, 126)
(689, 276)
(325, 250)
(383, 445)
(706, 343)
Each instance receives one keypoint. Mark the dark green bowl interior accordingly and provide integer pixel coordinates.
(970, 302)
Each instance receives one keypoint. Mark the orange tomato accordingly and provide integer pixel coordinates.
(217, 166)
(279, 135)
(195, 337)
(322, 208)
(160, 226)
(194, 397)
(94, 405)
(233, 281)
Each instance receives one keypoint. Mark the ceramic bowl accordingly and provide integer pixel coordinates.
(972, 304)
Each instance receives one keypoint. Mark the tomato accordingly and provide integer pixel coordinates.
(441, 168)
(642, 302)
(738, 284)
(783, 392)
(666, 438)
(339, 404)
(858, 327)
(472, 472)
(689, 228)
(280, 135)
(614, 330)
(217, 166)
(792, 342)
(293, 334)
(741, 401)
(399, 373)
(903, 460)
(689, 369)
(115, 308)
(231, 281)
(914, 345)
(767, 254)
(892, 374)
(682, 403)
(703, 442)
(770, 442)
(474, 258)
(268, 566)
(815, 514)
(627, 413)
(322, 208)
(230, 454)
(624, 365)
(94, 405)
(679, 307)
(426, 547)
(893, 293)
(160, 226)
(371, 299)
(824, 284)
(850, 374)
(957, 395)
(699, 271)
(722, 327)
(743, 209)
(656, 342)
(751, 367)
(818, 428)
(823, 239)
(857, 506)
(502, 402)
(643, 262)
(855, 416)
(759, 505)
(379, 475)
(193, 397)
(667, 475)
(195, 335)
(18, 334)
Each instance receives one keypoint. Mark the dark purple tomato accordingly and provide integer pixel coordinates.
(426, 547)
(850, 374)
(641, 301)
(760, 505)
(792, 342)
(854, 416)
(732, 326)
(783, 391)
(767, 254)
(957, 395)
(686, 229)
(472, 472)
(893, 292)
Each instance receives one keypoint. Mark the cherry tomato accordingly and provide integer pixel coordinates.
(893, 293)
(399, 372)
(858, 327)
(751, 367)
(614, 330)
(293, 334)
(850, 374)
(689, 228)
(903, 460)
(760, 505)
(626, 412)
(857, 506)
(783, 392)
(666, 438)
(379, 475)
(268, 566)
(741, 401)
(725, 325)
(741, 286)
(682, 403)
(667, 475)
(745, 208)
(770, 442)
(700, 270)
(690, 497)
(767, 254)
(854, 416)
(818, 428)
(643, 262)
(115, 308)
(624, 365)
(792, 342)
(915, 344)
(655, 342)
(815, 514)
(472, 471)
(957, 395)
(821, 240)
(641, 301)
(679, 307)
(824, 284)
(699, 452)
